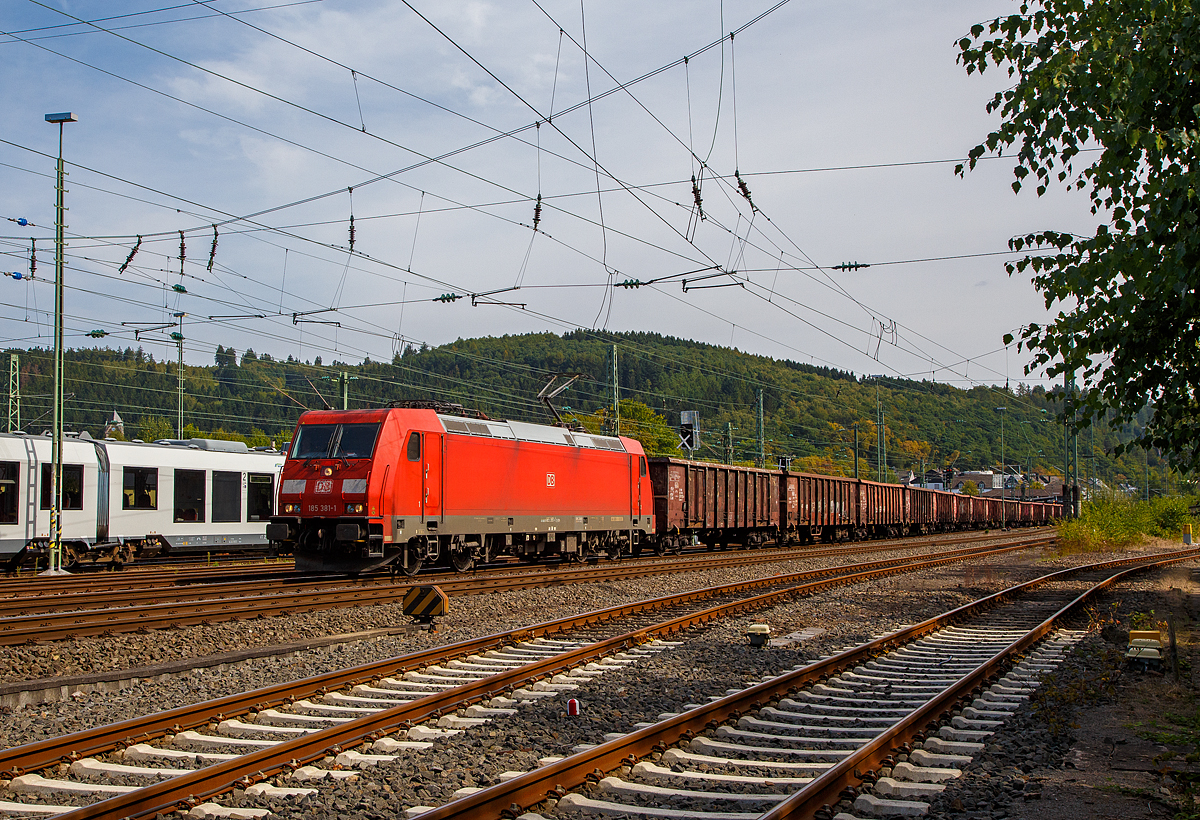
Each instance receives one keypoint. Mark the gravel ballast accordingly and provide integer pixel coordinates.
(709, 663)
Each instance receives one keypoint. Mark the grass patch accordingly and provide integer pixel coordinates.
(1106, 523)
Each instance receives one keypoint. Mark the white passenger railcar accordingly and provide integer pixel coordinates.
(123, 500)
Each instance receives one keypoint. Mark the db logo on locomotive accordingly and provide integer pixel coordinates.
(325, 485)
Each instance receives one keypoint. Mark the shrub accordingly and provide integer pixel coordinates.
(1106, 523)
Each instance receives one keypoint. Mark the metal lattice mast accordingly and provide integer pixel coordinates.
(177, 336)
(616, 414)
(14, 392)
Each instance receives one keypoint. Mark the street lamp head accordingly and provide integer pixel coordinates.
(1001, 408)
(65, 116)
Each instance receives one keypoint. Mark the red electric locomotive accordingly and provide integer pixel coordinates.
(412, 485)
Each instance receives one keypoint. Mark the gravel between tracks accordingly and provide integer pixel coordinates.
(846, 613)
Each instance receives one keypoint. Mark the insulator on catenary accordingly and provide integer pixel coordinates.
(132, 253)
(32, 257)
(537, 212)
(351, 233)
(744, 189)
(212, 253)
(182, 253)
(696, 195)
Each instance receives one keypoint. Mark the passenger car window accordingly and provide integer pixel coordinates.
(226, 496)
(414, 446)
(72, 489)
(189, 495)
(9, 473)
(139, 488)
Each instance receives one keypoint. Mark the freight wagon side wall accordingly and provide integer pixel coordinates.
(790, 503)
(922, 505)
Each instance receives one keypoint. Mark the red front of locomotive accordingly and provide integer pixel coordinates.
(331, 502)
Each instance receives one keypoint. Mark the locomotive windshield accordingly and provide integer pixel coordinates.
(335, 441)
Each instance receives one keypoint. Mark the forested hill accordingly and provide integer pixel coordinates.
(809, 412)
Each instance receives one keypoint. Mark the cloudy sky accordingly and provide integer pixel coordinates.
(437, 125)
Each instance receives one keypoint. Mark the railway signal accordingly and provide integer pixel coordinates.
(689, 430)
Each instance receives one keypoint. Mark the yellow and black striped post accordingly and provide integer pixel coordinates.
(425, 603)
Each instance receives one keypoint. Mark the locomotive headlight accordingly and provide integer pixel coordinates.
(291, 508)
(327, 471)
(354, 508)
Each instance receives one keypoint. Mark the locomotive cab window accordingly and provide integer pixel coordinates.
(226, 496)
(189, 495)
(72, 489)
(260, 499)
(643, 463)
(9, 473)
(356, 441)
(313, 441)
(414, 446)
(335, 441)
(139, 488)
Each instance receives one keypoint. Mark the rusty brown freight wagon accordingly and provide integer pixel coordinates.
(714, 504)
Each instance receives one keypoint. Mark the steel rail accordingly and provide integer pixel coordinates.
(555, 779)
(220, 777)
(26, 604)
(135, 578)
(53, 625)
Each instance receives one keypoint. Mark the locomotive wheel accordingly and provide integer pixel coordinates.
(461, 557)
(415, 557)
(660, 546)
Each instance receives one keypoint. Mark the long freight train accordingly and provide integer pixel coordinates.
(408, 486)
(126, 500)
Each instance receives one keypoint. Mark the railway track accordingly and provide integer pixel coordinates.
(206, 749)
(56, 617)
(186, 575)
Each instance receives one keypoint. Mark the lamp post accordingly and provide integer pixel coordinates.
(55, 567)
(1003, 517)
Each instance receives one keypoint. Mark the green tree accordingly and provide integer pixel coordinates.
(1119, 76)
(970, 488)
(637, 421)
(153, 428)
